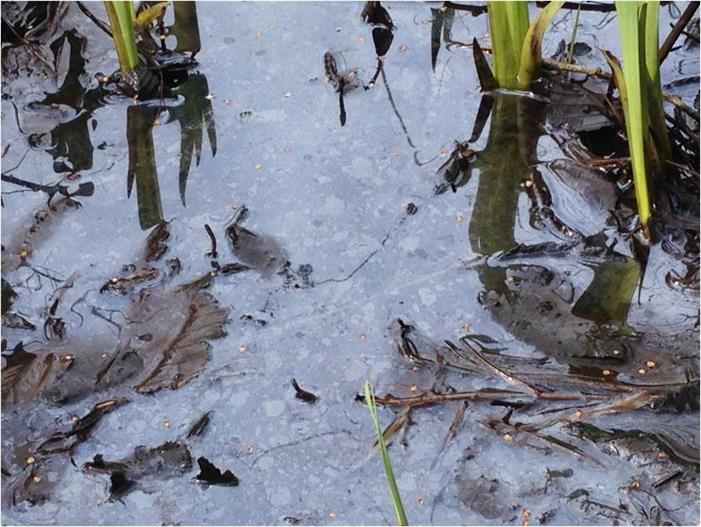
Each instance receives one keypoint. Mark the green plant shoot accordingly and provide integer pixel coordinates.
(392, 484)
(508, 25)
(516, 45)
(531, 49)
(121, 16)
(638, 83)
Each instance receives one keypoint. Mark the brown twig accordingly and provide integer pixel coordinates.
(475, 10)
(427, 399)
(508, 432)
(99, 23)
(495, 370)
(452, 430)
(213, 240)
(600, 7)
(676, 101)
(677, 30)
(628, 403)
(555, 65)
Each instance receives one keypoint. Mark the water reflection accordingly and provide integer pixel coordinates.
(382, 36)
(185, 28)
(569, 296)
(141, 119)
(442, 20)
(70, 145)
(194, 114)
(382, 33)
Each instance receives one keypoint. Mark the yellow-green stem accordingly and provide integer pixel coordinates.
(508, 25)
(121, 16)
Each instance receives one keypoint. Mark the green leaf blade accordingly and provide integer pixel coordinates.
(391, 482)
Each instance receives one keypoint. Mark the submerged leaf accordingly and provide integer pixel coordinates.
(199, 426)
(22, 243)
(211, 475)
(373, 13)
(66, 441)
(8, 296)
(303, 395)
(400, 420)
(28, 376)
(166, 343)
(140, 469)
(256, 251)
(49, 458)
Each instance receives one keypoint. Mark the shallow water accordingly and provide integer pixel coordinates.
(333, 201)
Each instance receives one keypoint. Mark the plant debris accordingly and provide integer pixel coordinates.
(178, 323)
(155, 243)
(211, 475)
(303, 395)
(199, 426)
(143, 468)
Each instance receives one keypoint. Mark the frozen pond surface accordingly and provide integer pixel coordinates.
(336, 202)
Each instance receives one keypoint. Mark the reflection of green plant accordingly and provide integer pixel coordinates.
(515, 44)
(442, 20)
(607, 298)
(640, 92)
(194, 113)
(502, 166)
(142, 164)
(185, 27)
(70, 141)
(394, 491)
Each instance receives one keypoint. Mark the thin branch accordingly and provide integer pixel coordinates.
(496, 370)
(555, 65)
(599, 7)
(676, 101)
(475, 10)
(677, 30)
(427, 399)
(99, 23)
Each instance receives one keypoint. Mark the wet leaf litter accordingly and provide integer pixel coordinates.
(527, 357)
